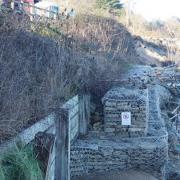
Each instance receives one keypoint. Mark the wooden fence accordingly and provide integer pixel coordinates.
(33, 11)
(67, 123)
(72, 119)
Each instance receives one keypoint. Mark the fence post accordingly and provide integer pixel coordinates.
(84, 113)
(62, 148)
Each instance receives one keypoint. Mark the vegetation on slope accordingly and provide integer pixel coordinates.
(113, 6)
(43, 64)
(38, 73)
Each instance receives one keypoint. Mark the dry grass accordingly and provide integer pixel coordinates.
(38, 73)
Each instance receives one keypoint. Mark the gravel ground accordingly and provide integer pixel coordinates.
(128, 175)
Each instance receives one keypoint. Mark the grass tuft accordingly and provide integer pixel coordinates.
(20, 164)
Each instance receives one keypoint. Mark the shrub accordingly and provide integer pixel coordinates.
(39, 73)
(20, 163)
(109, 4)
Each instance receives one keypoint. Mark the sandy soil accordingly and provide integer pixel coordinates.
(128, 175)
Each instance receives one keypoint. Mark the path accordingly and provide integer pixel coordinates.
(128, 175)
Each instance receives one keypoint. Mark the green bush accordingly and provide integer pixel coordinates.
(114, 7)
(20, 164)
(109, 4)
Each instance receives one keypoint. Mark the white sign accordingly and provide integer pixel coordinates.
(126, 118)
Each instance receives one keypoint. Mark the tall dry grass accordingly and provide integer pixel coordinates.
(39, 71)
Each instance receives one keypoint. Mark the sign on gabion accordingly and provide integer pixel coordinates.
(125, 112)
(126, 118)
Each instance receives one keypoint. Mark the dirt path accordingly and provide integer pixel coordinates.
(128, 175)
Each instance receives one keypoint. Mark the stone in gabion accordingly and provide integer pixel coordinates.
(119, 100)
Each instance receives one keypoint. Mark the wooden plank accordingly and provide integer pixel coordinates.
(29, 134)
(51, 165)
(71, 103)
(62, 146)
(74, 111)
(84, 113)
(41, 126)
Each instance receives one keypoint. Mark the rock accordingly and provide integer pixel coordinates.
(106, 151)
(97, 126)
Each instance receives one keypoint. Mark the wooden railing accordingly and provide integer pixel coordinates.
(33, 11)
(69, 121)
(72, 119)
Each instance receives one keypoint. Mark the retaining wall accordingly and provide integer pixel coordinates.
(112, 155)
(119, 100)
(148, 153)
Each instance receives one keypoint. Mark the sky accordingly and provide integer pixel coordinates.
(156, 9)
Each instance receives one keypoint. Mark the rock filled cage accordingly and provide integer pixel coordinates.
(125, 112)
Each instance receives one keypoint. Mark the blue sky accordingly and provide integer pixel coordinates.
(156, 9)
